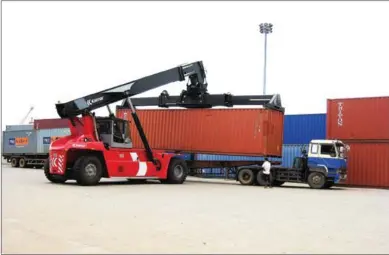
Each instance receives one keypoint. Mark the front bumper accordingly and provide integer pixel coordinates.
(341, 175)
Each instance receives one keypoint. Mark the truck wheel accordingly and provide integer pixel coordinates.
(14, 162)
(53, 177)
(177, 171)
(316, 180)
(246, 176)
(260, 179)
(88, 170)
(22, 162)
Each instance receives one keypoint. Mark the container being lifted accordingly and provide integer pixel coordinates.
(100, 147)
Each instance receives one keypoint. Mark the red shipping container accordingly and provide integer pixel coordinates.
(358, 118)
(368, 164)
(51, 123)
(252, 132)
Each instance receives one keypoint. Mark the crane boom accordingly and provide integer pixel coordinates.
(197, 84)
(26, 116)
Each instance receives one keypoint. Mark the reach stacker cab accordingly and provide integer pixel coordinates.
(321, 167)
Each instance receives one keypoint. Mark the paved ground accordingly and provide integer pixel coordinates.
(197, 217)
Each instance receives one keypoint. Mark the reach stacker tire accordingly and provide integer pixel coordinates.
(51, 177)
(88, 170)
(177, 171)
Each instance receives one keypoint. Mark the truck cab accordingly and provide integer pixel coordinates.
(322, 166)
(328, 157)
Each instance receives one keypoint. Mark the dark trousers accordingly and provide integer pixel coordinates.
(267, 179)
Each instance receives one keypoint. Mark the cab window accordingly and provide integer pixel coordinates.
(315, 148)
(328, 149)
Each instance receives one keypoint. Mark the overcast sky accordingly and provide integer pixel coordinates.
(63, 50)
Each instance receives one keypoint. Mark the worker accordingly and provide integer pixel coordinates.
(266, 173)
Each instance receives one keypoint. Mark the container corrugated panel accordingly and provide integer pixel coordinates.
(368, 164)
(302, 128)
(18, 127)
(290, 151)
(358, 118)
(51, 123)
(222, 131)
(46, 136)
(19, 142)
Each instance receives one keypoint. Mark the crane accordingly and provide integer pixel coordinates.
(26, 116)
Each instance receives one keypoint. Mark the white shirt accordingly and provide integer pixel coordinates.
(266, 167)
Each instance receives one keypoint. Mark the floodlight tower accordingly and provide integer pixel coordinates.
(265, 28)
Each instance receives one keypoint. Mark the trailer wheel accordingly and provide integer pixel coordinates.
(177, 171)
(53, 177)
(22, 163)
(14, 162)
(246, 176)
(88, 170)
(316, 180)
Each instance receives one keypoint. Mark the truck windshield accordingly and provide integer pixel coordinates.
(342, 151)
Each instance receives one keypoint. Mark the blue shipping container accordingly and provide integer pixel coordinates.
(302, 128)
(290, 151)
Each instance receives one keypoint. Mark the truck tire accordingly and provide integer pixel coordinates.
(177, 171)
(53, 177)
(260, 179)
(22, 163)
(316, 180)
(88, 170)
(246, 176)
(14, 162)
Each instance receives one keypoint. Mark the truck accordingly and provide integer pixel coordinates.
(324, 165)
(100, 147)
(321, 167)
(25, 146)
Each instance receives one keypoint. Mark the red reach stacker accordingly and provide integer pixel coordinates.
(100, 147)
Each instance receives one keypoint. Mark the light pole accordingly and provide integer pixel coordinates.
(265, 28)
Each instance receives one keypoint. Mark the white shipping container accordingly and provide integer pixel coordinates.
(46, 136)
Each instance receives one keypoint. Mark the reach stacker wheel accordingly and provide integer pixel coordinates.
(88, 170)
(177, 171)
(53, 177)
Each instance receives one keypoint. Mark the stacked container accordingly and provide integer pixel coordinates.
(299, 130)
(363, 124)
